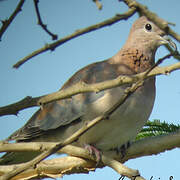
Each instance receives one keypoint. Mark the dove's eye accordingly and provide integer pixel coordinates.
(148, 27)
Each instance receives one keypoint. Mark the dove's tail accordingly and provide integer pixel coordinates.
(17, 157)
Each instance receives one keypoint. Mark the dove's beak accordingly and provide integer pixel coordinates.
(168, 41)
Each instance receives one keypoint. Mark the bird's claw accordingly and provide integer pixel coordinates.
(93, 151)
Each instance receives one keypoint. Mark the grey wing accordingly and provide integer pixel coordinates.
(63, 112)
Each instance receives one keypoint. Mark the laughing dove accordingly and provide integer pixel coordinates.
(60, 119)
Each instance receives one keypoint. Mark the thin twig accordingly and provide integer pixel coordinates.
(77, 33)
(40, 22)
(171, 50)
(158, 63)
(133, 7)
(6, 23)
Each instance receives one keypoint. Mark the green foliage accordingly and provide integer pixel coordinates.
(155, 128)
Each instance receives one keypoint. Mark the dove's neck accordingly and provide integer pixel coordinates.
(136, 58)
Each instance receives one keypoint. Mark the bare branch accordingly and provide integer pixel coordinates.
(82, 88)
(171, 50)
(120, 168)
(133, 7)
(144, 147)
(13, 109)
(70, 165)
(77, 33)
(44, 26)
(53, 168)
(6, 23)
(162, 24)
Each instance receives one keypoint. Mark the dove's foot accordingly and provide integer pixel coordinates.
(93, 151)
(122, 149)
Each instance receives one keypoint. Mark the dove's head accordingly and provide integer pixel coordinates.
(146, 36)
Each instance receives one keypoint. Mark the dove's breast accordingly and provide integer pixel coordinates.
(124, 124)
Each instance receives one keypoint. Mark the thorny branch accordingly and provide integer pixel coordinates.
(44, 26)
(6, 23)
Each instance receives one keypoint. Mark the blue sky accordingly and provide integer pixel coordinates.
(47, 72)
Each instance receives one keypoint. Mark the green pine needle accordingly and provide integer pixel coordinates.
(155, 128)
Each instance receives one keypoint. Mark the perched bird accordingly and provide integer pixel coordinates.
(58, 120)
